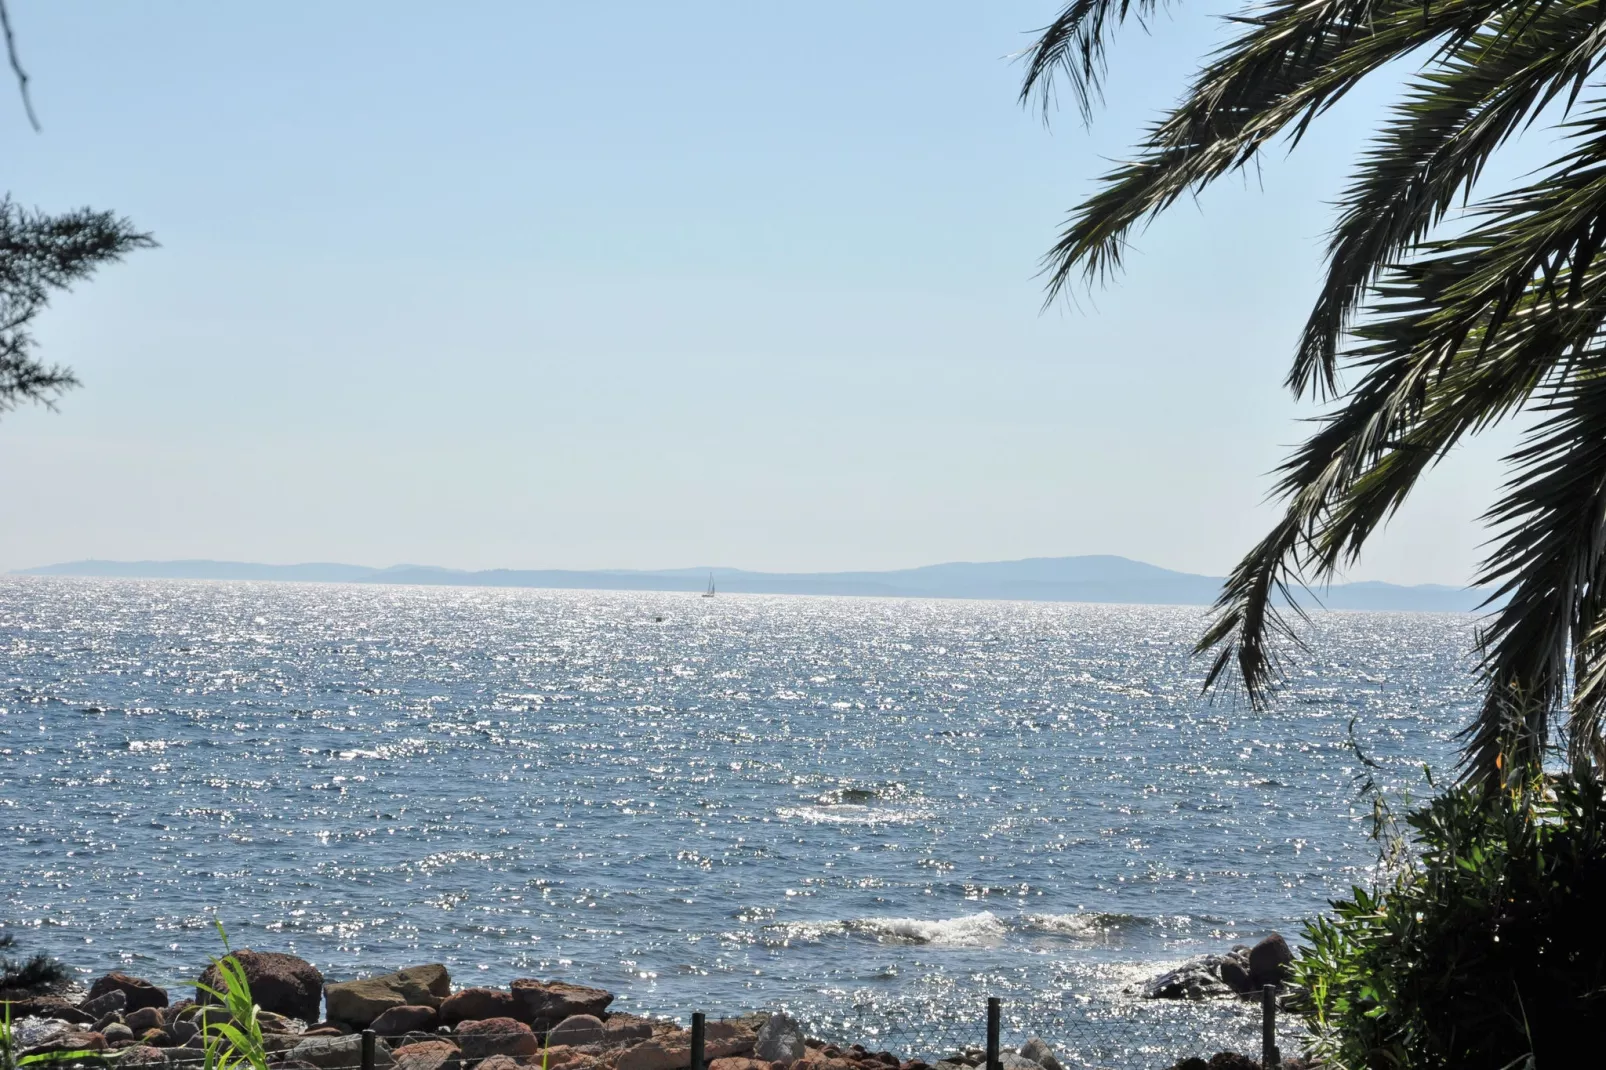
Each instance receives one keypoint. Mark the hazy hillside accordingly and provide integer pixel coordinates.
(1044, 579)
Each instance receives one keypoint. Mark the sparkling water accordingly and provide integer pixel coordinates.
(859, 809)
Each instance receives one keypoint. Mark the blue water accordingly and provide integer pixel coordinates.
(844, 806)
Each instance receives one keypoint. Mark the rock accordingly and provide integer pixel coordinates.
(49, 1007)
(156, 1038)
(651, 1055)
(138, 992)
(68, 1041)
(283, 984)
(408, 1018)
(110, 1001)
(358, 1003)
(496, 1036)
(340, 1053)
(1011, 1061)
(28, 1032)
(1235, 974)
(117, 1031)
(183, 1029)
(1197, 979)
(109, 1018)
(478, 1004)
(1040, 1053)
(144, 1018)
(578, 1029)
(275, 1023)
(1231, 1060)
(1192, 1063)
(1270, 962)
(623, 1030)
(327, 1030)
(293, 1064)
(274, 1043)
(736, 1062)
(499, 1062)
(142, 1055)
(174, 1011)
(178, 1058)
(429, 1055)
(723, 1040)
(546, 1003)
(779, 1041)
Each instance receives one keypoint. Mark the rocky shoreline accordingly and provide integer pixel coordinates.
(420, 1022)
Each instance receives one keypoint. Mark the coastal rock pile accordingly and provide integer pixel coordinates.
(1241, 971)
(421, 1023)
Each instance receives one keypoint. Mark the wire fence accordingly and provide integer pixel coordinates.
(1140, 1035)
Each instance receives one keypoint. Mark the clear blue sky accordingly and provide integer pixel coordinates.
(641, 285)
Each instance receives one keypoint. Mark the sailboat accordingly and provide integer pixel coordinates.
(710, 592)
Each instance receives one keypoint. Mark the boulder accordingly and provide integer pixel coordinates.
(142, 1055)
(144, 1018)
(117, 1031)
(578, 1029)
(283, 984)
(409, 1018)
(293, 1064)
(1011, 1061)
(779, 1041)
(183, 1029)
(496, 1036)
(724, 1040)
(1193, 1062)
(339, 1053)
(156, 1038)
(49, 1007)
(477, 1004)
(137, 992)
(737, 1062)
(651, 1055)
(1231, 1060)
(1040, 1053)
(1197, 979)
(429, 1055)
(499, 1062)
(623, 1030)
(546, 1003)
(70, 1041)
(358, 1003)
(1270, 962)
(184, 1058)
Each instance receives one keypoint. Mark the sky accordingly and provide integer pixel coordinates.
(644, 285)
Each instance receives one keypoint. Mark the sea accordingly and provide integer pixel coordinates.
(874, 813)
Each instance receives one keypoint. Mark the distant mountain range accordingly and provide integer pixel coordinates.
(1038, 579)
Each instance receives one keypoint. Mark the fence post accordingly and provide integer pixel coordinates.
(1269, 1056)
(994, 1016)
(699, 1027)
(367, 1049)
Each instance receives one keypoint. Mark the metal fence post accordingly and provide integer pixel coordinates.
(1269, 1056)
(699, 1026)
(994, 1017)
(367, 1049)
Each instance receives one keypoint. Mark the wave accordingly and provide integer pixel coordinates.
(971, 930)
(851, 814)
(985, 929)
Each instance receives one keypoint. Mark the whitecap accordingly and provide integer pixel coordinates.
(969, 930)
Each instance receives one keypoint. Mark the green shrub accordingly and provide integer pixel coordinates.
(1485, 951)
(35, 975)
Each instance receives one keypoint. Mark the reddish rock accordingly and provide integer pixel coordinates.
(399, 1021)
(1271, 962)
(499, 1062)
(144, 1018)
(496, 1036)
(478, 1004)
(546, 1003)
(142, 1055)
(137, 991)
(429, 1055)
(283, 984)
(722, 1040)
(623, 1030)
(652, 1055)
(360, 1002)
(736, 1062)
(326, 1030)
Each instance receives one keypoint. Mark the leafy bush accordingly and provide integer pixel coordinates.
(1485, 951)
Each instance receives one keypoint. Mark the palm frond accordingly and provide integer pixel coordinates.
(1074, 44)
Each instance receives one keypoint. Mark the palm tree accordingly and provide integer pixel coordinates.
(1420, 334)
